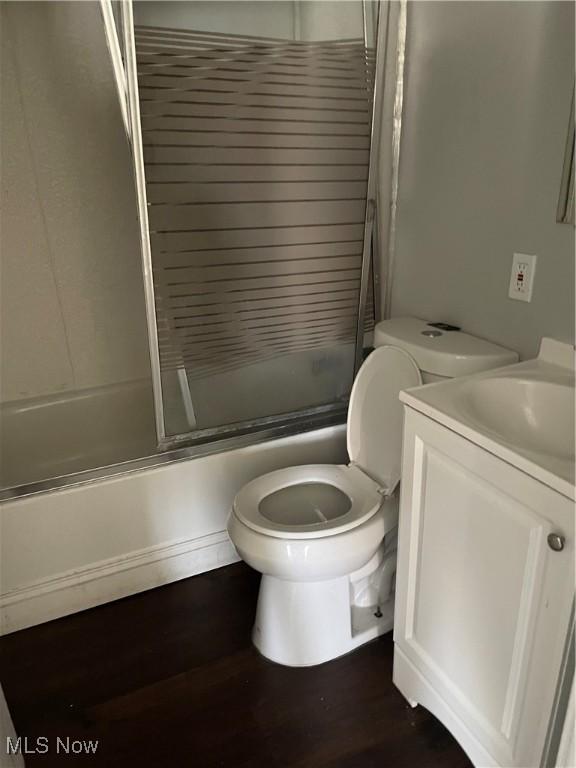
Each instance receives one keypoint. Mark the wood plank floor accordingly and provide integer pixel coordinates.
(169, 678)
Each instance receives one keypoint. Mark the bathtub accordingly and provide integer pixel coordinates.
(48, 437)
(94, 535)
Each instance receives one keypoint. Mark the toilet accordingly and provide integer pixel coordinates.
(324, 536)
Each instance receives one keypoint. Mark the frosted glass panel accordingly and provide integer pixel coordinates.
(256, 121)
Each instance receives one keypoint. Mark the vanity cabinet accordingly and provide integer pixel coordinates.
(483, 603)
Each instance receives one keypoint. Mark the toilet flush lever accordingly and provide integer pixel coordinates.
(556, 542)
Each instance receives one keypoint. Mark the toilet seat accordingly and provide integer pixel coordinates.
(363, 495)
(318, 500)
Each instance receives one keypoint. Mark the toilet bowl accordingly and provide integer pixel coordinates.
(318, 533)
(323, 536)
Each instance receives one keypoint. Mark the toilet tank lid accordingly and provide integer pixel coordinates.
(446, 353)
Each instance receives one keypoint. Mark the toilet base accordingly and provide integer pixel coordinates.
(300, 624)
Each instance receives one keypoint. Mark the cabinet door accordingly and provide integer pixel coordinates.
(482, 602)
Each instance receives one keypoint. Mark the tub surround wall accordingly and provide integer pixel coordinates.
(290, 19)
(250, 17)
(486, 107)
(72, 297)
(68, 550)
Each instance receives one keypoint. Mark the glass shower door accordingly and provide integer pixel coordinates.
(254, 153)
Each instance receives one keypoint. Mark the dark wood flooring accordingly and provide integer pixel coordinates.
(169, 678)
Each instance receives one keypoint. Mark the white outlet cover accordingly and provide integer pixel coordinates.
(522, 276)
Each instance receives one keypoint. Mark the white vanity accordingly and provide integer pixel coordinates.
(485, 580)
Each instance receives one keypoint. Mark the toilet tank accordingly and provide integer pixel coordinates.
(441, 354)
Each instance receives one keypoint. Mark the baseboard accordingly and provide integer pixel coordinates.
(112, 579)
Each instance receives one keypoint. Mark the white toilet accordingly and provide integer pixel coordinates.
(324, 536)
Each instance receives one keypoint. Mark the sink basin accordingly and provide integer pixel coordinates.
(521, 413)
(533, 414)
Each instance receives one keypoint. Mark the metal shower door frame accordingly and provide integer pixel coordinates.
(126, 78)
(125, 75)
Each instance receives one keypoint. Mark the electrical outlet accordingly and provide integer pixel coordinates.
(522, 277)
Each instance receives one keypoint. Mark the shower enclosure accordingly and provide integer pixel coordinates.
(208, 283)
(252, 128)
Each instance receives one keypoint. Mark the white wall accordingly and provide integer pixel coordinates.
(284, 19)
(487, 100)
(72, 307)
(241, 17)
(330, 19)
(68, 550)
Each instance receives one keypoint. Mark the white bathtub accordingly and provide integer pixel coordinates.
(107, 537)
(51, 436)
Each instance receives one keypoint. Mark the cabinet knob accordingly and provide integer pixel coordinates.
(556, 542)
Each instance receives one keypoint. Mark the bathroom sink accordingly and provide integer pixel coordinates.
(532, 413)
(523, 413)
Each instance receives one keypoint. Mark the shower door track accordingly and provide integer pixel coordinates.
(285, 425)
